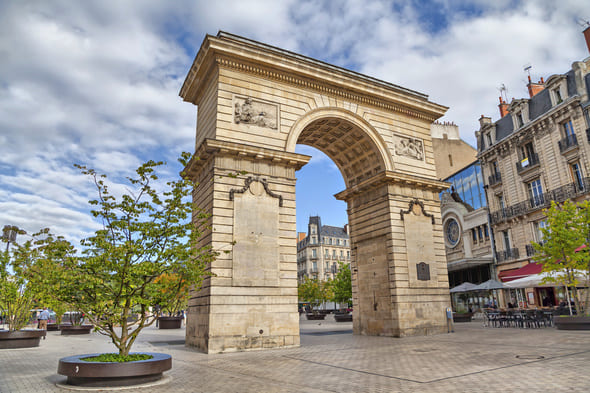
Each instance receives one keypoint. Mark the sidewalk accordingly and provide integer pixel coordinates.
(331, 359)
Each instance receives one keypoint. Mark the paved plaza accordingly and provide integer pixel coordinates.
(331, 359)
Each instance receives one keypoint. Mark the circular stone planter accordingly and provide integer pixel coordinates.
(52, 327)
(102, 374)
(169, 322)
(343, 317)
(70, 330)
(20, 338)
(315, 317)
(571, 323)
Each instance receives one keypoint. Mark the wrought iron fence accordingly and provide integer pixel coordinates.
(530, 162)
(495, 178)
(506, 255)
(567, 142)
(542, 201)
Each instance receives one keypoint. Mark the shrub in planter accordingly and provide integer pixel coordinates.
(146, 234)
(17, 290)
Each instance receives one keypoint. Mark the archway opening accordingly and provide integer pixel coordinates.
(343, 155)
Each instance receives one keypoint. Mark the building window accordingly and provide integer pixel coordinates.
(568, 129)
(348, 254)
(536, 192)
(527, 151)
(538, 226)
(578, 176)
(501, 204)
(480, 234)
(558, 99)
(314, 253)
(473, 235)
(506, 238)
(489, 140)
(519, 119)
(486, 231)
(341, 254)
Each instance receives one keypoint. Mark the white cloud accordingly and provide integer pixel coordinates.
(97, 82)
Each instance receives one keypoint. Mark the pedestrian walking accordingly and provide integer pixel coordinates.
(42, 319)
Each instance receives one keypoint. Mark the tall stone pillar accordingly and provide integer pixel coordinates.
(250, 302)
(400, 283)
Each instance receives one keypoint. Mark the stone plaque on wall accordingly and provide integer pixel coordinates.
(256, 235)
(255, 112)
(408, 147)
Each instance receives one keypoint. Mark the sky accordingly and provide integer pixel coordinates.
(96, 82)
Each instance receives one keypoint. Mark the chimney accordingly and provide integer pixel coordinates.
(483, 120)
(587, 36)
(503, 107)
(535, 88)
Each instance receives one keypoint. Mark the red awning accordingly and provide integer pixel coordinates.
(583, 246)
(513, 274)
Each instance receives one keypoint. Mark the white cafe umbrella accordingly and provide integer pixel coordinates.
(465, 287)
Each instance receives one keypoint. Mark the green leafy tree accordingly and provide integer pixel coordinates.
(314, 292)
(568, 228)
(16, 291)
(342, 284)
(146, 234)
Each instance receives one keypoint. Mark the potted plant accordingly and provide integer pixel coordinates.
(145, 234)
(565, 260)
(16, 291)
(74, 323)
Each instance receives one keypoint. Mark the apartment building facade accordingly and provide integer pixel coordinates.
(320, 250)
(537, 152)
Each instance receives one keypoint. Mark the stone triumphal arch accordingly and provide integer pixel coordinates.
(255, 103)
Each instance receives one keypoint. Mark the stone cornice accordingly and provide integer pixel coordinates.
(233, 52)
(389, 177)
(211, 147)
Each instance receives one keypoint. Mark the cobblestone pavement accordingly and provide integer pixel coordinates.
(331, 359)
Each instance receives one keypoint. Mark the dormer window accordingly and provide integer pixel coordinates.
(488, 140)
(557, 94)
(557, 85)
(519, 119)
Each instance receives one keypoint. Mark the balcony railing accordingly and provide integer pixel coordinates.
(567, 142)
(559, 194)
(507, 255)
(495, 178)
(530, 250)
(527, 163)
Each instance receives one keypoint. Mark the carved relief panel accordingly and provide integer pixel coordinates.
(255, 112)
(408, 147)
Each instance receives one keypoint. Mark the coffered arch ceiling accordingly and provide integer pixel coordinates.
(351, 149)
